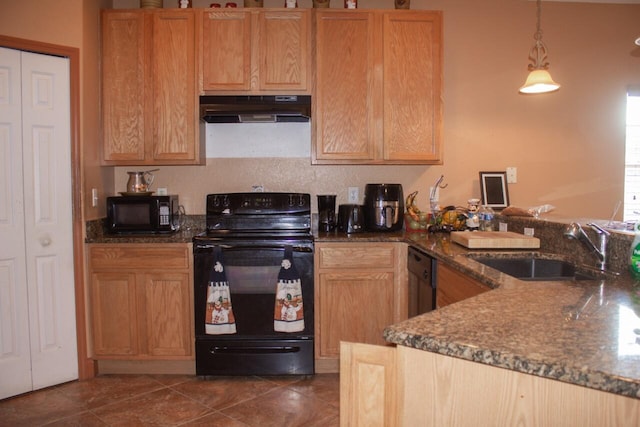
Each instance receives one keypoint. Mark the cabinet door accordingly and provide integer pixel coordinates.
(369, 386)
(412, 59)
(113, 301)
(123, 86)
(453, 286)
(354, 306)
(226, 50)
(345, 100)
(284, 50)
(175, 103)
(167, 314)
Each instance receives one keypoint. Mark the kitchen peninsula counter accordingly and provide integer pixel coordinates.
(585, 333)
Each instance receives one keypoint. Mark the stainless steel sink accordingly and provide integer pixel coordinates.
(532, 268)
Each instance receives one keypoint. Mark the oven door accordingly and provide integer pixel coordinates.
(252, 269)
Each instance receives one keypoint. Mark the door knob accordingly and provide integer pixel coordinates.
(45, 241)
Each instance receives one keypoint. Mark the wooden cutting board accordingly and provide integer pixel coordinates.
(494, 240)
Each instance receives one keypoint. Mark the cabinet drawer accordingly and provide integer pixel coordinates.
(352, 256)
(138, 256)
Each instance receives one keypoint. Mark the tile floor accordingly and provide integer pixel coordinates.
(179, 400)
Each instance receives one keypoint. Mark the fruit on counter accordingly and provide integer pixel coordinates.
(453, 217)
(412, 209)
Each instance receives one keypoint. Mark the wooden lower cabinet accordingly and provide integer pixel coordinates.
(360, 288)
(141, 301)
(402, 386)
(453, 286)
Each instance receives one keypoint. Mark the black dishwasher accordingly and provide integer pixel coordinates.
(422, 283)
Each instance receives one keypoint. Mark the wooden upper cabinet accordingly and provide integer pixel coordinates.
(175, 108)
(284, 50)
(226, 43)
(149, 88)
(378, 87)
(345, 98)
(256, 51)
(123, 86)
(412, 85)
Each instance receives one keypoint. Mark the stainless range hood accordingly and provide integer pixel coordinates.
(255, 109)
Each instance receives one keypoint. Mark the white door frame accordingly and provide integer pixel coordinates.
(86, 365)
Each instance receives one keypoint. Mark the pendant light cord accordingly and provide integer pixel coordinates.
(538, 54)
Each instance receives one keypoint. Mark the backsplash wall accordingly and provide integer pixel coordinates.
(193, 183)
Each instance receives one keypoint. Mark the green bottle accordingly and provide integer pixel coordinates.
(634, 264)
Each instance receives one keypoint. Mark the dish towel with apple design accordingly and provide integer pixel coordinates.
(289, 312)
(219, 317)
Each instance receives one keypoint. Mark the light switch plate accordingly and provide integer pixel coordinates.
(512, 175)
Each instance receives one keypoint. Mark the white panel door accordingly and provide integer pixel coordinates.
(15, 353)
(41, 194)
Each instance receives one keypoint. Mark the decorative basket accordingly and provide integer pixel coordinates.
(150, 4)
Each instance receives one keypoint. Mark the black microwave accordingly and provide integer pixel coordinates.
(143, 214)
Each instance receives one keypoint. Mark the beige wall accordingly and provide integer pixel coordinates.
(71, 23)
(568, 146)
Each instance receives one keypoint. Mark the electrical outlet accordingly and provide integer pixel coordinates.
(512, 175)
(354, 195)
(528, 231)
(259, 188)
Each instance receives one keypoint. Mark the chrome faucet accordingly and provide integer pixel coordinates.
(575, 231)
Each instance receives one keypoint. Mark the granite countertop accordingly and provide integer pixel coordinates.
(190, 227)
(581, 332)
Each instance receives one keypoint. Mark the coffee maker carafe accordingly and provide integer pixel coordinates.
(384, 207)
(326, 212)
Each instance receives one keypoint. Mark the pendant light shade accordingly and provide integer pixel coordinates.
(638, 41)
(539, 79)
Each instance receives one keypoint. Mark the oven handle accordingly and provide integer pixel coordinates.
(254, 350)
(256, 247)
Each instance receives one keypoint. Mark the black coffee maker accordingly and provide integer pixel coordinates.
(383, 207)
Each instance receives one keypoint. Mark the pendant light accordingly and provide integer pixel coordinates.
(638, 41)
(539, 79)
